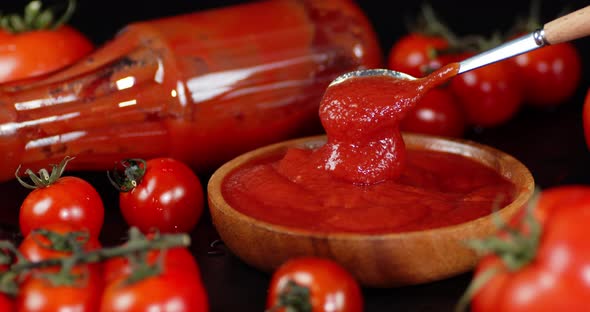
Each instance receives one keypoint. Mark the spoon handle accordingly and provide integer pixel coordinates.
(566, 28)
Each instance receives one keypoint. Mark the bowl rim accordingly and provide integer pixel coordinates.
(217, 201)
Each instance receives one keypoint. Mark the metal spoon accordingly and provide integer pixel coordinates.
(572, 26)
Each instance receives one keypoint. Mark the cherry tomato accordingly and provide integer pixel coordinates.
(167, 196)
(550, 75)
(437, 113)
(555, 276)
(37, 294)
(415, 54)
(57, 199)
(31, 48)
(40, 52)
(172, 290)
(330, 287)
(174, 259)
(36, 247)
(490, 95)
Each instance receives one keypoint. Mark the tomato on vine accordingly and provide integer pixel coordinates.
(83, 293)
(539, 264)
(550, 75)
(60, 199)
(55, 241)
(37, 44)
(161, 194)
(415, 54)
(313, 284)
(158, 279)
(179, 259)
(77, 288)
(428, 46)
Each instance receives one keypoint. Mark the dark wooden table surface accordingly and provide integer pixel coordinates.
(550, 143)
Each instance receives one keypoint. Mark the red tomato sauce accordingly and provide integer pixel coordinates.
(435, 189)
(363, 180)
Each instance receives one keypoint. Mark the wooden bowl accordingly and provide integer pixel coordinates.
(383, 260)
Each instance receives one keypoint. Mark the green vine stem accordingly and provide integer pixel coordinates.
(515, 251)
(44, 178)
(136, 249)
(35, 18)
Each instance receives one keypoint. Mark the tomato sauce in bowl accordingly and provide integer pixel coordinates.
(393, 209)
(435, 189)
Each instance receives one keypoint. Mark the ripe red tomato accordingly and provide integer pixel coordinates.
(37, 294)
(490, 95)
(66, 199)
(37, 43)
(35, 247)
(437, 113)
(173, 290)
(175, 259)
(331, 287)
(556, 276)
(168, 196)
(40, 52)
(550, 75)
(415, 54)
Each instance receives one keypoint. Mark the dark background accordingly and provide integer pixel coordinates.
(550, 142)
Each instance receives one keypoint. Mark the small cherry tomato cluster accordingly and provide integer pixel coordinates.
(62, 268)
(488, 96)
(61, 265)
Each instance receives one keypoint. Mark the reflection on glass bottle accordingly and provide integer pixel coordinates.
(201, 87)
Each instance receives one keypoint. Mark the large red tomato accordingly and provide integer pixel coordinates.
(57, 199)
(316, 284)
(160, 194)
(548, 272)
(550, 75)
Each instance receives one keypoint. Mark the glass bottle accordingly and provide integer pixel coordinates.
(202, 87)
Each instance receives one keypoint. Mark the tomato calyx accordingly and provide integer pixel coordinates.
(67, 242)
(127, 174)
(35, 18)
(140, 267)
(515, 250)
(44, 179)
(293, 298)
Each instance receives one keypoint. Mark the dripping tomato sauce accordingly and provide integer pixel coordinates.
(363, 179)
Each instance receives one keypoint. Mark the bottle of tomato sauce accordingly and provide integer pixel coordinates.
(201, 87)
